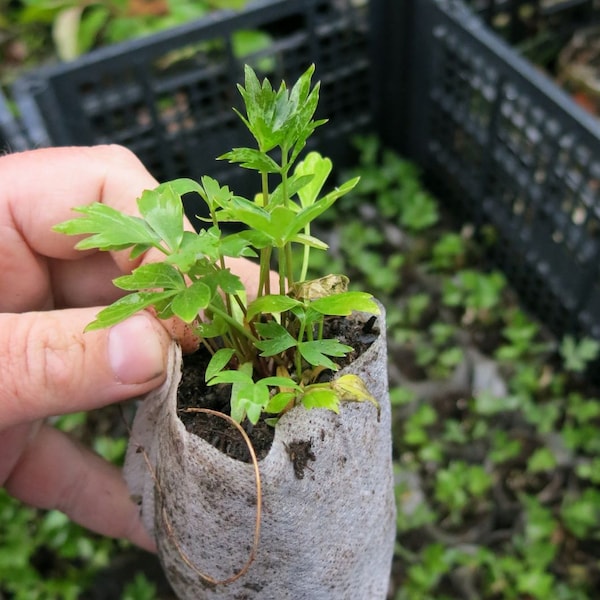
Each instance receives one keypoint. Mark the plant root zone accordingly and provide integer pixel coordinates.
(193, 392)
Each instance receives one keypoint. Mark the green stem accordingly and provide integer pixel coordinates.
(297, 356)
(287, 249)
(264, 286)
(321, 325)
(282, 261)
(238, 327)
(305, 256)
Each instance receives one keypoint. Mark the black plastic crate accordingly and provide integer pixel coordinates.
(498, 141)
(169, 97)
(12, 137)
(502, 145)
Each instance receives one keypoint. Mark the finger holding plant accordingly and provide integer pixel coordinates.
(270, 349)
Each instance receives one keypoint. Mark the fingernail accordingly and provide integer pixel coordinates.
(135, 350)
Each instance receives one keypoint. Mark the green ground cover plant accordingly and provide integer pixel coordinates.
(38, 32)
(496, 424)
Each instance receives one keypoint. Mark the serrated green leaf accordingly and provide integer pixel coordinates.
(246, 212)
(153, 276)
(195, 251)
(218, 362)
(277, 339)
(227, 281)
(215, 195)
(126, 307)
(163, 211)
(247, 397)
(315, 352)
(236, 245)
(249, 158)
(190, 301)
(271, 304)
(277, 342)
(344, 303)
(108, 229)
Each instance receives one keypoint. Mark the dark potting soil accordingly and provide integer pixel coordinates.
(193, 392)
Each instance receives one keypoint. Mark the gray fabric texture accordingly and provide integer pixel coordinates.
(327, 536)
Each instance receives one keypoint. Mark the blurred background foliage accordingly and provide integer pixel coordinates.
(35, 32)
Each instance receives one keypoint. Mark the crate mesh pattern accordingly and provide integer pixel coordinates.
(503, 146)
(169, 97)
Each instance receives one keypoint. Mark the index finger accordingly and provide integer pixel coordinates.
(41, 187)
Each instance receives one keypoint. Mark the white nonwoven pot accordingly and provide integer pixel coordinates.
(328, 535)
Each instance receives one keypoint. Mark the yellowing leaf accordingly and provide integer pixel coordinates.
(351, 388)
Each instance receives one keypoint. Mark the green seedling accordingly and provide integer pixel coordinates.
(577, 355)
(271, 348)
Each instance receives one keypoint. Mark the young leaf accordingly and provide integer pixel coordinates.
(279, 402)
(320, 168)
(271, 304)
(249, 158)
(219, 360)
(214, 194)
(191, 300)
(345, 303)
(163, 211)
(152, 276)
(240, 376)
(248, 400)
(277, 338)
(245, 398)
(126, 307)
(108, 228)
(193, 248)
(315, 352)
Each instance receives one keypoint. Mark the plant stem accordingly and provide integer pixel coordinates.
(305, 256)
(235, 324)
(287, 249)
(264, 286)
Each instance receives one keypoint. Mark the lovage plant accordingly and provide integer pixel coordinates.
(272, 348)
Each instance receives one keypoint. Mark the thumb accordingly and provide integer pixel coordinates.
(49, 366)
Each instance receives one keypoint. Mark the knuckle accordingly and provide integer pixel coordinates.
(119, 156)
(44, 362)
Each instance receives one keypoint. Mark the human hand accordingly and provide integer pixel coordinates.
(48, 293)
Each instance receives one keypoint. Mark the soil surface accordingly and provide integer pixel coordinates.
(195, 393)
